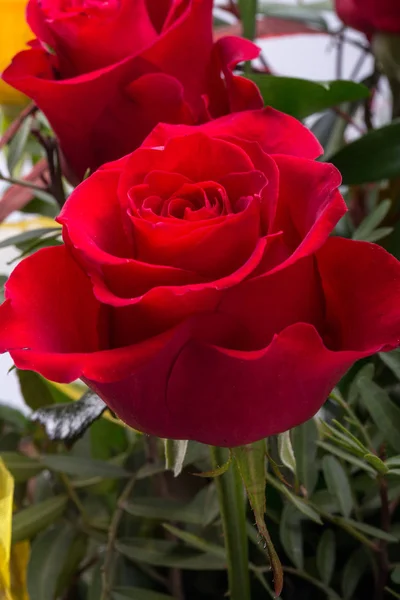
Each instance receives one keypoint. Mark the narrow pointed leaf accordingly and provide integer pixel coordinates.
(338, 484)
(286, 452)
(326, 555)
(49, 554)
(251, 463)
(29, 521)
(136, 593)
(175, 452)
(83, 467)
(392, 361)
(291, 535)
(383, 411)
(305, 438)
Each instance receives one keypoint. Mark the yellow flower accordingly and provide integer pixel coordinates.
(13, 559)
(14, 33)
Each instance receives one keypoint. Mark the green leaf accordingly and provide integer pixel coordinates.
(164, 553)
(305, 439)
(34, 389)
(394, 472)
(248, 15)
(14, 417)
(392, 361)
(377, 463)
(196, 542)
(21, 467)
(286, 452)
(218, 471)
(291, 535)
(338, 483)
(107, 438)
(371, 222)
(26, 236)
(69, 421)
(350, 458)
(250, 460)
(175, 452)
(18, 143)
(135, 593)
(395, 576)
(29, 521)
(326, 555)
(95, 586)
(360, 162)
(384, 413)
(378, 234)
(164, 509)
(393, 462)
(302, 98)
(353, 571)
(206, 502)
(49, 553)
(370, 530)
(83, 467)
(300, 504)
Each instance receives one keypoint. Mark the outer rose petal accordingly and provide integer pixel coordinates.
(49, 306)
(52, 323)
(225, 397)
(176, 53)
(265, 306)
(361, 282)
(308, 207)
(233, 93)
(83, 44)
(274, 131)
(94, 202)
(370, 15)
(100, 116)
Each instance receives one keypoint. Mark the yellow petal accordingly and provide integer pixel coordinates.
(18, 569)
(6, 503)
(14, 34)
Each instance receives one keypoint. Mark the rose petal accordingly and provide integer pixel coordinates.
(85, 43)
(361, 283)
(225, 397)
(308, 208)
(49, 306)
(274, 131)
(232, 93)
(51, 323)
(118, 111)
(215, 158)
(181, 296)
(211, 251)
(263, 307)
(94, 203)
(175, 53)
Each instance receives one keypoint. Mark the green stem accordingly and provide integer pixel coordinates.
(233, 511)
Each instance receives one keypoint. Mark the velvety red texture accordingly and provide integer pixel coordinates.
(370, 16)
(105, 73)
(198, 292)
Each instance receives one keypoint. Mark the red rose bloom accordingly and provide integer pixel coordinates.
(369, 16)
(197, 292)
(106, 72)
